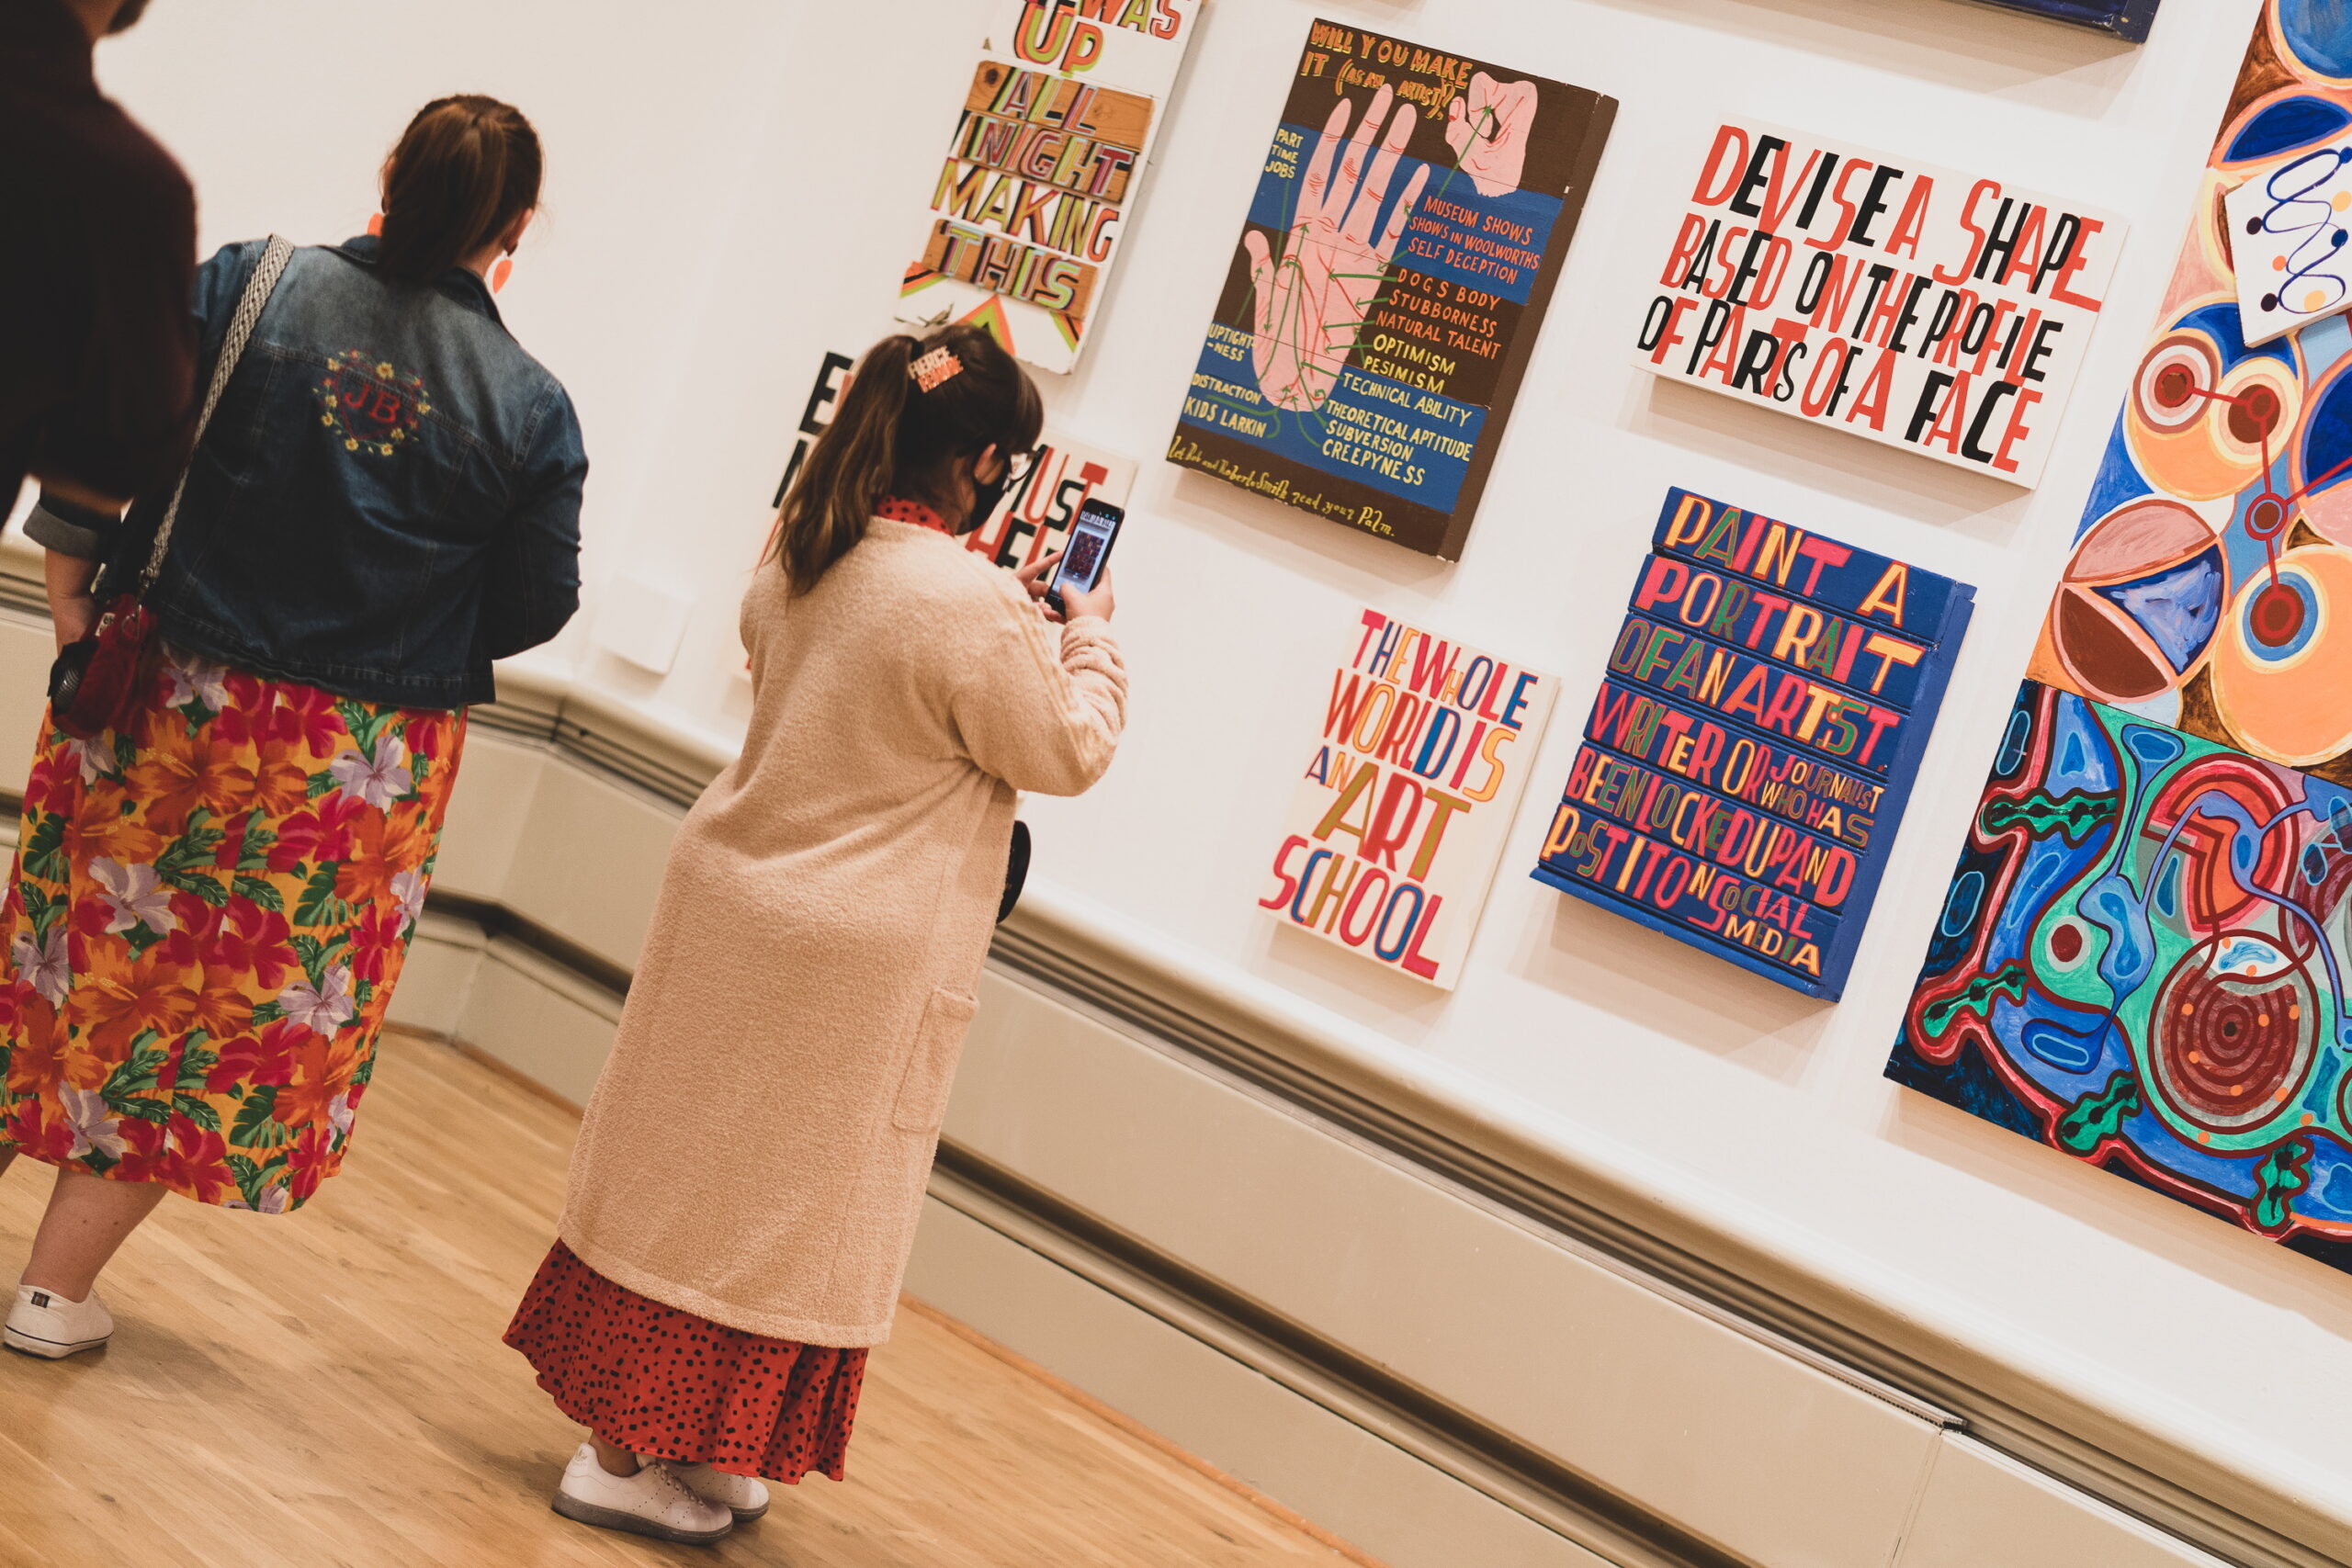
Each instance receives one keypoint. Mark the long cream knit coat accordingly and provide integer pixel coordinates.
(756, 1149)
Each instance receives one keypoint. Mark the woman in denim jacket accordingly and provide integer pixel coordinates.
(211, 902)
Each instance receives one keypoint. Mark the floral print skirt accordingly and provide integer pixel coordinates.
(207, 914)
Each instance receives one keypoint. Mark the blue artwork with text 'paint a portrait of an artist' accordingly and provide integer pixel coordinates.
(1748, 757)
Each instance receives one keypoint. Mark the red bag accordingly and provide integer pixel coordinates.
(97, 680)
(94, 684)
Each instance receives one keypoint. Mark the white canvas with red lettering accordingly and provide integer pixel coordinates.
(1025, 221)
(1407, 796)
(1944, 311)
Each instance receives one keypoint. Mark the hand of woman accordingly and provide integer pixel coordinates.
(71, 609)
(1095, 600)
(1035, 577)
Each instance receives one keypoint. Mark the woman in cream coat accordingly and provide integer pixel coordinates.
(746, 1185)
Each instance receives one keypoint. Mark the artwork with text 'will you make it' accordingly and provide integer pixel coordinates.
(1748, 757)
(1045, 169)
(2144, 957)
(1410, 227)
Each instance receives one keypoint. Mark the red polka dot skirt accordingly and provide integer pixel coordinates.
(667, 1384)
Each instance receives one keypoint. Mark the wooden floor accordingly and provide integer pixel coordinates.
(328, 1388)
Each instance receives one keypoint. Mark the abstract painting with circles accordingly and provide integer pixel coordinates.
(2145, 956)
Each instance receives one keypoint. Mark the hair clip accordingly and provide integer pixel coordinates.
(936, 368)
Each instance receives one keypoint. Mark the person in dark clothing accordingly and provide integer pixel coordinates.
(97, 352)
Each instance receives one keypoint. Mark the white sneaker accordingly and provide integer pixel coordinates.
(652, 1501)
(43, 1323)
(745, 1496)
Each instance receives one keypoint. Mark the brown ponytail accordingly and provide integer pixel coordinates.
(465, 170)
(890, 436)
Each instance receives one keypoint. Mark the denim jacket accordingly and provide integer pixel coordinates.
(387, 499)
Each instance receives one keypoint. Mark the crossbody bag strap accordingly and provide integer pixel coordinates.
(274, 257)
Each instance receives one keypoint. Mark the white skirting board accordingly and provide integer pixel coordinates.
(1718, 1434)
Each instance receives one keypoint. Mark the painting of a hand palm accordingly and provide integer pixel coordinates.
(1311, 301)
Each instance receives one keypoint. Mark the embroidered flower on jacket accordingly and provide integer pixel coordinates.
(134, 895)
(45, 967)
(376, 781)
(325, 1008)
(370, 405)
(96, 1130)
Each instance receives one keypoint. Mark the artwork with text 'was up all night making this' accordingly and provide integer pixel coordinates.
(1043, 173)
(2144, 957)
(1941, 312)
(1747, 760)
(1409, 790)
(1410, 224)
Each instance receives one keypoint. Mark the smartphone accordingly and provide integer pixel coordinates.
(1088, 551)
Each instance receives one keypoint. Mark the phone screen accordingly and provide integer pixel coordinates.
(1089, 545)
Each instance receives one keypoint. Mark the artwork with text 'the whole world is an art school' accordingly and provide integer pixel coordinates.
(1934, 310)
(1042, 176)
(2145, 957)
(1747, 762)
(1410, 226)
(1409, 791)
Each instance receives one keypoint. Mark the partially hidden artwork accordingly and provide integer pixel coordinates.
(2145, 951)
(2288, 231)
(2127, 19)
(1746, 761)
(1410, 224)
(1941, 312)
(1409, 791)
(1032, 520)
(1045, 168)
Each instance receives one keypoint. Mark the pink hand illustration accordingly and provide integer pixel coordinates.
(1311, 303)
(1488, 133)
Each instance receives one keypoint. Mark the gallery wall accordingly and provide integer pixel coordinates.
(735, 193)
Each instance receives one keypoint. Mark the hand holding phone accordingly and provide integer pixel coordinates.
(1087, 555)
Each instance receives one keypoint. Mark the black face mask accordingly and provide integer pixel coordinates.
(985, 499)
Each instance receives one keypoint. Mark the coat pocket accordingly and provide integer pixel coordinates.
(921, 1104)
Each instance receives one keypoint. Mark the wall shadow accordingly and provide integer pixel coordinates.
(1825, 459)
(2178, 1233)
(1654, 984)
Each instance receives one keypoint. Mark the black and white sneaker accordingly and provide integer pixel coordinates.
(44, 1323)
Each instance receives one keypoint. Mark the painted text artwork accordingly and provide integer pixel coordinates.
(2145, 955)
(1747, 762)
(1410, 224)
(1934, 310)
(1409, 791)
(1032, 521)
(1041, 177)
